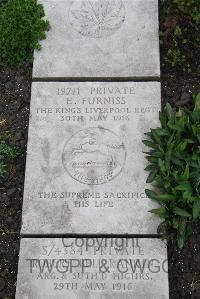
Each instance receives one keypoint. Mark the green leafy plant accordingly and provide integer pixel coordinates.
(174, 169)
(180, 38)
(21, 28)
(175, 57)
(191, 8)
(6, 152)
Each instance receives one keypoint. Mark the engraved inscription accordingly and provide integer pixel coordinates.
(88, 268)
(94, 156)
(98, 18)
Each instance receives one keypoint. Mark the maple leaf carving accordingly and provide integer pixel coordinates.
(97, 18)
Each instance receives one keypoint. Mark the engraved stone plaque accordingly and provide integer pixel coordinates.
(85, 162)
(99, 39)
(94, 268)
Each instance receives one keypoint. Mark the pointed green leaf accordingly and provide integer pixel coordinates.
(162, 118)
(151, 194)
(181, 212)
(162, 228)
(161, 132)
(156, 137)
(182, 226)
(148, 134)
(184, 187)
(176, 127)
(190, 141)
(150, 167)
(160, 212)
(168, 155)
(197, 103)
(152, 160)
(166, 197)
(151, 176)
(187, 195)
(196, 209)
(158, 154)
(181, 242)
(182, 146)
(170, 141)
(150, 144)
(189, 229)
(185, 175)
(169, 111)
(161, 165)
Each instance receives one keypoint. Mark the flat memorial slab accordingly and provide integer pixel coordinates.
(97, 268)
(100, 38)
(85, 162)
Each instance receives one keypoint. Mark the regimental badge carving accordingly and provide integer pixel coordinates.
(97, 18)
(94, 156)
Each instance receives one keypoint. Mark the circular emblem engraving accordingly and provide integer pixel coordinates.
(97, 18)
(94, 156)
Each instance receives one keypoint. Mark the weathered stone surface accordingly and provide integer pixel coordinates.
(109, 38)
(92, 269)
(85, 163)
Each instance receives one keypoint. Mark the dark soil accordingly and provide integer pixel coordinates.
(178, 84)
(14, 115)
